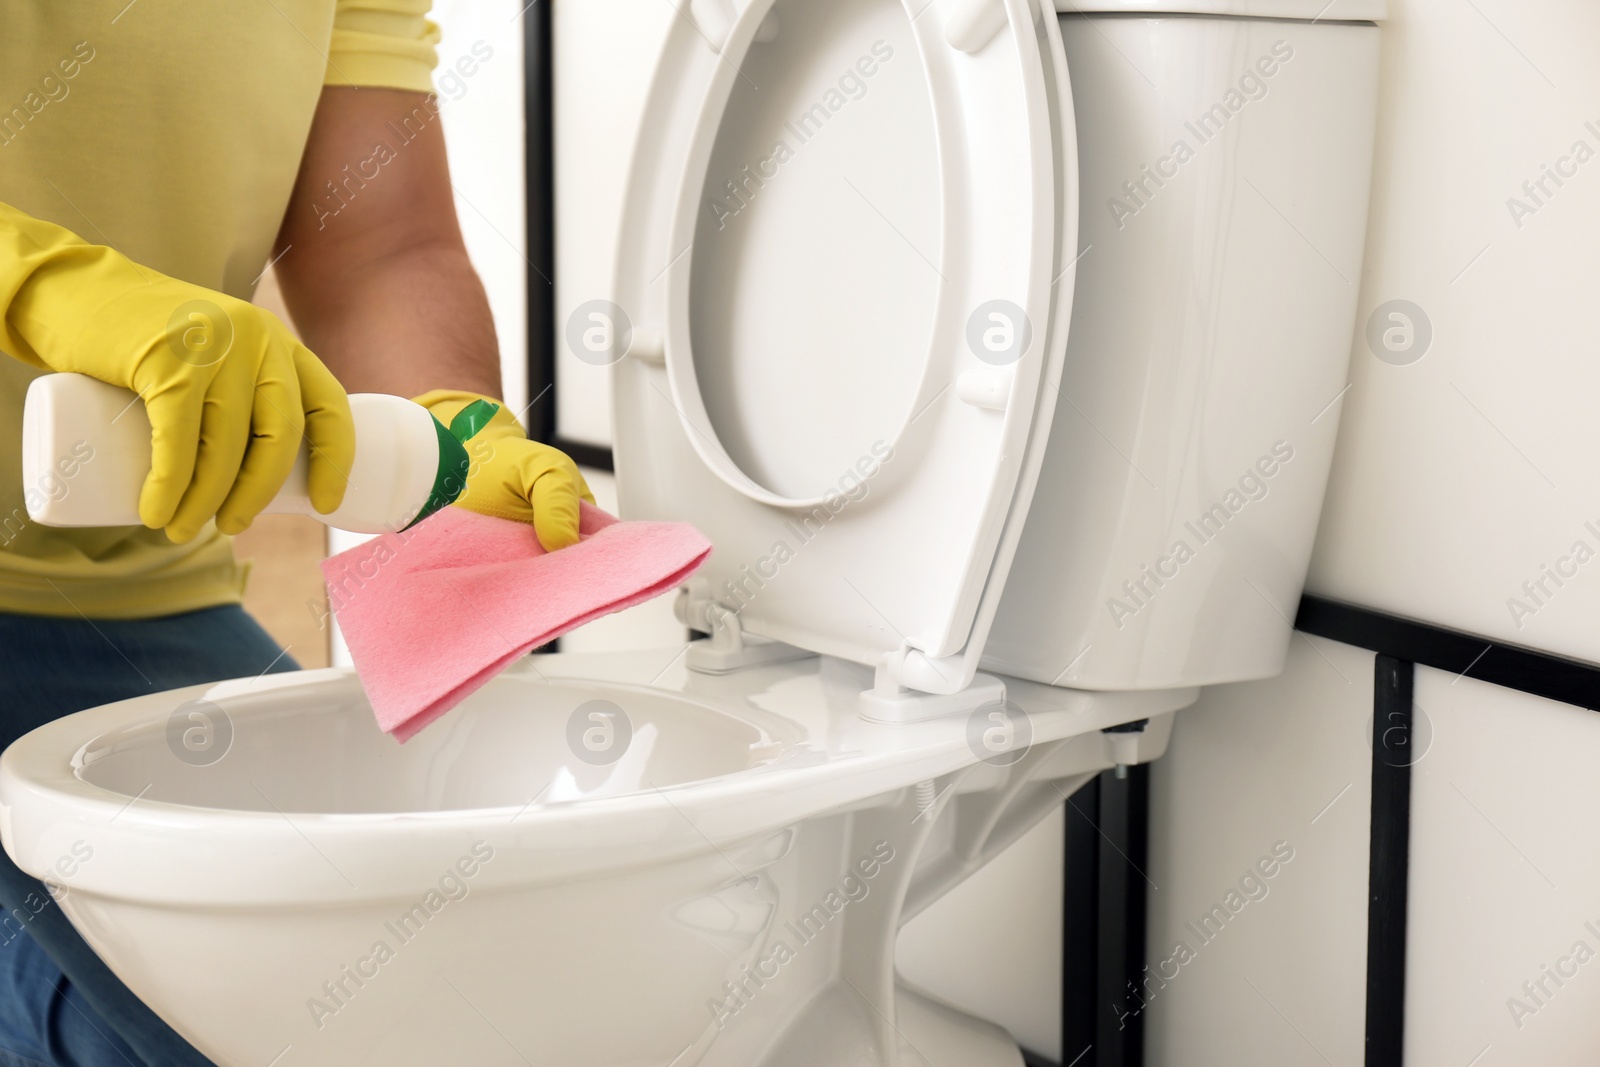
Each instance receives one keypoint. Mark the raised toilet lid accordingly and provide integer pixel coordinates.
(840, 253)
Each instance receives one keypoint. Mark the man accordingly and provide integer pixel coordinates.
(155, 156)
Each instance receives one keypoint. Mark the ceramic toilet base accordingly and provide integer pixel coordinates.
(929, 1032)
(937, 1033)
(811, 978)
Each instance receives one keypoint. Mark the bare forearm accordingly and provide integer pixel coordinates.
(414, 320)
(371, 260)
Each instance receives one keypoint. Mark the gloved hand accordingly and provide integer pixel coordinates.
(512, 477)
(228, 389)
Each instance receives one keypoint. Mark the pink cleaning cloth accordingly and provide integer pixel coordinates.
(432, 613)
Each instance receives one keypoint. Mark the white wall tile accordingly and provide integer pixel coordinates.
(605, 55)
(1465, 473)
(481, 105)
(1283, 980)
(1504, 879)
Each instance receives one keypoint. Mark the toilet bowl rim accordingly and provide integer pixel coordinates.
(935, 746)
(1063, 712)
(592, 836)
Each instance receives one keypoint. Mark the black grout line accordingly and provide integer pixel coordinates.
(595, 457)
(539, 161)
(1080, 921)
(1388, 861)
(1104, 921)
(1509, 666)
(539, 154)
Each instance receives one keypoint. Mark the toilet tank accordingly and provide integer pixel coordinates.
(1225, 165)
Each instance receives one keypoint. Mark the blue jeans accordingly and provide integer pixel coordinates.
(60, 1006)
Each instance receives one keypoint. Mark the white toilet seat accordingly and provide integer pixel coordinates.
(910, 569)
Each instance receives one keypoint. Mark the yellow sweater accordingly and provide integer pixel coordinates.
(170, 130)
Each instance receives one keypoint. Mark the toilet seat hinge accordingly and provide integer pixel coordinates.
(892, 700)
(730, 647)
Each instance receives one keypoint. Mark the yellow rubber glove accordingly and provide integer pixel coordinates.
(228, 389)
(512, 477)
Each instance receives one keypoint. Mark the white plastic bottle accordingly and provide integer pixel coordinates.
(86, 452)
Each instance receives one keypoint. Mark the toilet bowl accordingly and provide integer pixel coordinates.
(1009, 419)
(299, 889)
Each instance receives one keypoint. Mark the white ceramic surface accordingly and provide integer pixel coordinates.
(1225, 168)
(488, 894)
